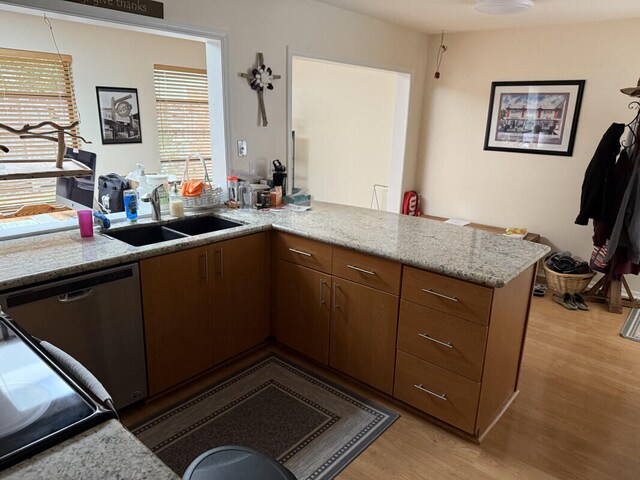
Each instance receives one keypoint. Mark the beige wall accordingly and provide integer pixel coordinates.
(107, 57)
(304, 27)
(343, 116)
(458, 179)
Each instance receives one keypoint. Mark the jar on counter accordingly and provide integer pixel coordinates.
(176, 206)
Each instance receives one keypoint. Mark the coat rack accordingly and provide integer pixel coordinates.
(609, 288)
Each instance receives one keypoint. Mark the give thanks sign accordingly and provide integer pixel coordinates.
(149, 8)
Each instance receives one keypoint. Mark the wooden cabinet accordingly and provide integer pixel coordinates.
(240, 289)
(203, 306)
(303, 310)
(177, 317)
(363, 333)
(460, 347)
(348, 319)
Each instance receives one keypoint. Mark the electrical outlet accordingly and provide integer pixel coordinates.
(242, 148)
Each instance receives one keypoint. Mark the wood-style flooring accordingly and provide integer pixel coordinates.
(577, 415)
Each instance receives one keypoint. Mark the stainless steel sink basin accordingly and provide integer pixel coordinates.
(145, 235)
(198, 225)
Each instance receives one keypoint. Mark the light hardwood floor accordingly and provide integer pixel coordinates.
(577, 415)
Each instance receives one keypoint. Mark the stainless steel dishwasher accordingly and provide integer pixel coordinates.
(96, 318)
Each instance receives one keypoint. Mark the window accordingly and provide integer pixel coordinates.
(34, 87)
(182, 100)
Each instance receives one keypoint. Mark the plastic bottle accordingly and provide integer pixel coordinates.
(143, 185)
(232, 185)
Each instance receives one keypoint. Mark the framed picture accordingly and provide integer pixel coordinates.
(534, 117)
(119, 115)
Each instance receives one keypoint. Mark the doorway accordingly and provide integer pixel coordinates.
(348, 129)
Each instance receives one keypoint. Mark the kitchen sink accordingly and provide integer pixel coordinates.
(204, 224)
(140, 236)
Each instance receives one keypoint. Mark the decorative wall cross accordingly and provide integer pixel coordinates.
(260, 78)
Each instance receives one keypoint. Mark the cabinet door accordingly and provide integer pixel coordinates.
(177, 317)
(363, 333)
(302, 310)
(240, 294)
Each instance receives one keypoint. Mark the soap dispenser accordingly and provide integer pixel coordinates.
(143, 186)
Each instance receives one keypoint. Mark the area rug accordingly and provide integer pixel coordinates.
(631, 328)
(312, 426)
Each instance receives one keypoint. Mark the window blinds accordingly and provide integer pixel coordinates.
(182, 100)
(34, 87)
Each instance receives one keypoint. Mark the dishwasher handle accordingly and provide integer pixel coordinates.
(75, 296)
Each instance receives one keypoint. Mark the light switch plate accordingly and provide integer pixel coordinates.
(242, 148)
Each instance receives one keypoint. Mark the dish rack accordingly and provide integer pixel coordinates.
(210, 196)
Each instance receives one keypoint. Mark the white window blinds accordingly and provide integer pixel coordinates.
(182, 100)
(34, 87)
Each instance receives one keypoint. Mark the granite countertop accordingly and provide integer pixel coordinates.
(105, 451)
(466, 253)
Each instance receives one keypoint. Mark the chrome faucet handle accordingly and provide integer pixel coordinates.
(154, 198)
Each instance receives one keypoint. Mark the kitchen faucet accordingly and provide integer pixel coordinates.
(154, 198)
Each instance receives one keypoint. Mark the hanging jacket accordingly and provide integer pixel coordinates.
(626, 231)
(596, 187)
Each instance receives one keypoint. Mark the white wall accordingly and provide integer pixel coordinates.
(458, 179)
(304, 26)
(343, 116)
(107, 57)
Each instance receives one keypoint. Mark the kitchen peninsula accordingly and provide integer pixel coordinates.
(456, 299)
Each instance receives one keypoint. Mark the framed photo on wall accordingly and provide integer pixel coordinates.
(119, 115)
(534, 117)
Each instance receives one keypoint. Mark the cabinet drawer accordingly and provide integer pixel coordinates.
(442, 339)
(367, 270)
(449, 295)
(303, 251)
(453, 398)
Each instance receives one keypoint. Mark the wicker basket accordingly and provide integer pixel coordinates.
(567, 282)
(209, 198)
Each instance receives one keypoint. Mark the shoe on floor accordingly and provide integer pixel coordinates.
(539, 289)
(580, 303)
(565, 300)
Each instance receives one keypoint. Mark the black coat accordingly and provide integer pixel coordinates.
(598, 185)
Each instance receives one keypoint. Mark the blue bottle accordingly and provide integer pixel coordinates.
(131, 205)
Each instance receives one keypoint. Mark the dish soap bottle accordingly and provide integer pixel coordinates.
(176, 207)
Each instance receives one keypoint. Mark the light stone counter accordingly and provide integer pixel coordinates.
(105, 451)
(461, 252)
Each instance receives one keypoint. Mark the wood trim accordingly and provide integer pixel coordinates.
(530, 236)
(157, 66)
(13, 52)
(504, 347)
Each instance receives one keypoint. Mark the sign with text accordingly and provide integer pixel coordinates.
(149, 8)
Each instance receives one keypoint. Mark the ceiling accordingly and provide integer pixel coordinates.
(432, 16)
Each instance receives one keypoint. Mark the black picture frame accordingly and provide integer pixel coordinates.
(534, 116)
(119, 113)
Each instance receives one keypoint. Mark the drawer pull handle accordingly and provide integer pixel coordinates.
(426, 335)
(322, 302)
(299, 252)
(362, 270)
(422, 389)
(431, 292)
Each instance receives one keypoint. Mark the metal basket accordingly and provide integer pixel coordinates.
(210, 196)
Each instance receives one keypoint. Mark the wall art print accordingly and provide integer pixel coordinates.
(534, 117)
